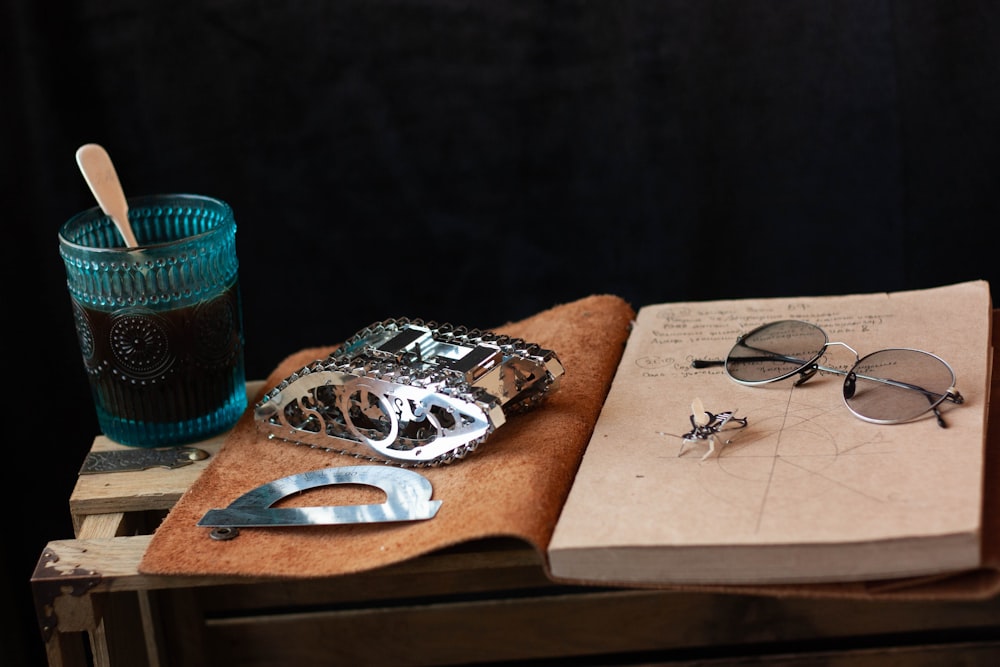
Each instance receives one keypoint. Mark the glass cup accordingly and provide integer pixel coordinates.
(160, 326)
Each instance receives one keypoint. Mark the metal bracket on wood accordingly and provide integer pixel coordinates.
(49, 583)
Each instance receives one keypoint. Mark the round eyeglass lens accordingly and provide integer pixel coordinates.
(897, 385)
(775, 351)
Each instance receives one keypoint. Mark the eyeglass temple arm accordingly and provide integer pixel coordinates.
(932, 396)
(807, 370)
(766, 355)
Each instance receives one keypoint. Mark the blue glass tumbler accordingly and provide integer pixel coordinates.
(160, 325)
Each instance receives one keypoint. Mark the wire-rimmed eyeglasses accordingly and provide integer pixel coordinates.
(888, 386)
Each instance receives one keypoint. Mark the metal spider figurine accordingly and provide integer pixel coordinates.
(706, 426)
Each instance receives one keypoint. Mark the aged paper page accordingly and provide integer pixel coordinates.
(807, 492)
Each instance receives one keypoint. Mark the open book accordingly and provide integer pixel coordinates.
(806, 492)
(600, 483)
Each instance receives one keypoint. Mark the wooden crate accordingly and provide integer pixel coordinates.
(485, 602)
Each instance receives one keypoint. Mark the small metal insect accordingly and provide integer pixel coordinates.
(706, 426)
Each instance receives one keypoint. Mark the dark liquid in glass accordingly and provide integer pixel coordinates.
(163, 366)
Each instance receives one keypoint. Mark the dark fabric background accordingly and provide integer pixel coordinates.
(479, 162)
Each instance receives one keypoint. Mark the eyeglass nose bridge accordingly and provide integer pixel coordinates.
(857, 357)
(850, 380)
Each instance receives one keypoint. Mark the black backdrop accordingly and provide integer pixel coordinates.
(479, 162)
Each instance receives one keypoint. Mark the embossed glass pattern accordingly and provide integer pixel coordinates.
(160, 326)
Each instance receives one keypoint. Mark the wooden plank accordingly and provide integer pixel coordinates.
(182, 627)
(109, 565)
(114, 565)
(374, 588)
(141, 490)
(117, 638)
(572, 626)
(134, 491)
(66, 650)
(967, 654)
(93, 526)
(151, 628)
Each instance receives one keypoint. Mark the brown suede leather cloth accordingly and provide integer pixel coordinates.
(513, 485)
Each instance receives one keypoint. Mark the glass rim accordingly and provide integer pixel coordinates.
(805, 363)
(931, 404)
(141, 202)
